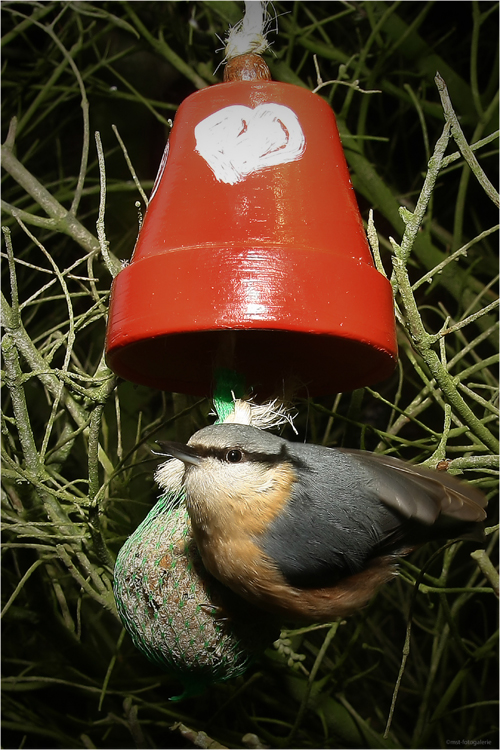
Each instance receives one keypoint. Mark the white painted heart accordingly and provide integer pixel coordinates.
(238, 140)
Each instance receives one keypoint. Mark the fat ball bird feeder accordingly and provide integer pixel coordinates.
(251, 273)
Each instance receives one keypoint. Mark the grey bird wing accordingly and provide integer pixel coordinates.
(348, 507)
(432, 493)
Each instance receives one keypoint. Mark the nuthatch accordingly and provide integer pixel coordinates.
(309, 532)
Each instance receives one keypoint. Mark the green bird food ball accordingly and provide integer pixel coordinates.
(177, 614)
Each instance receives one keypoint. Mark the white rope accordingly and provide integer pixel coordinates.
(249, 34)
(264, 416)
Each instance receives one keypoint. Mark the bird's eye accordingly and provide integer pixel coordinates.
(234, 456)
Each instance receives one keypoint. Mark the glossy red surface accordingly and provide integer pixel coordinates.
(270, 274)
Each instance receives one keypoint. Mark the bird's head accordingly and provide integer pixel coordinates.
(231, 468)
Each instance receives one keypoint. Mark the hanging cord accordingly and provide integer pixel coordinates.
(246, 41)
(230, 406)
(249, 34)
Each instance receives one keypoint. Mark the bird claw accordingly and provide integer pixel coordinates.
(215, 611)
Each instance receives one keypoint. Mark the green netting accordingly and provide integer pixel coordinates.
(177, 614)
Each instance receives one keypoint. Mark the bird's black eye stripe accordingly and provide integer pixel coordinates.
(239, 455)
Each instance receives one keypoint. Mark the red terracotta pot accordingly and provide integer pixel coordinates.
(252, 255)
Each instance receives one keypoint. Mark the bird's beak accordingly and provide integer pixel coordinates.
(184, 453)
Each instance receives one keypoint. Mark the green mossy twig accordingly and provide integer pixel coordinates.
(462, 144)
